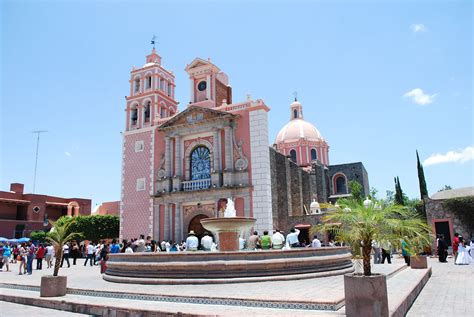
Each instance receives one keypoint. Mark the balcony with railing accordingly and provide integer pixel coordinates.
(198, 184)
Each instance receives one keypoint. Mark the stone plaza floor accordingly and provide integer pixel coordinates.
(443, 295)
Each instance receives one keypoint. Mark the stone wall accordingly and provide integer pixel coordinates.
(435, 210)
(353, 171)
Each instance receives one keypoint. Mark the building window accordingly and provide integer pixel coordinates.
(137, 85)
(162, 85)
(295, 114)
(341, 187)
(293, 156)
(140, 184)
(200, 163)
(134, 115)
(139, 146)
(148, 82)
(146, 111)
(314, 156)
(169, 90)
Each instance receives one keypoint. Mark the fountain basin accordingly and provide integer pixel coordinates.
(201, 267)
(228, 230)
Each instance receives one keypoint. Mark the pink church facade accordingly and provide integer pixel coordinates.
(180, 167)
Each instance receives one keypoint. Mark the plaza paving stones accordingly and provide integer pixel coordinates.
(312, 297)
(449, 292)
(18, 310)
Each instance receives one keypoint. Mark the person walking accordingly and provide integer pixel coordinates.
(39, 257)
(405, 253)
(74, 252)
(48, 257)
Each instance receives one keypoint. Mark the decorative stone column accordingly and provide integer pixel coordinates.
(76, 211)
(69, 210)
(166, 223)
(229, 150)
(217, 150)
(177, 161)
(167, 156)
(191, 92)
(178, 223)
(208, 84)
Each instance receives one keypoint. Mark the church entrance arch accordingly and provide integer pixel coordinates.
(195, 225)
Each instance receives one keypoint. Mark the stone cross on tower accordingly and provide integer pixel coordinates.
(153, 41)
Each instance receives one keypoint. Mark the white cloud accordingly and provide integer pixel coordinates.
(419, 97)
(461, 156)
(418, 28)
(67, 153)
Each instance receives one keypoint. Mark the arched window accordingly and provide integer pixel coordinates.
(295, 114)
(314, 156)
(341, 185)
(200, 163)
(148, 82)
(134, 115)
(293, 156)
(137, 85)
(146, 111)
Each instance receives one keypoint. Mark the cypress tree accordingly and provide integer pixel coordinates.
(421, 178)
(398, 192)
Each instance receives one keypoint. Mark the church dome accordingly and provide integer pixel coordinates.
(298, 129)
(300, 140)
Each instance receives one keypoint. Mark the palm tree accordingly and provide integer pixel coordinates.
(358, 224)
(59, 236)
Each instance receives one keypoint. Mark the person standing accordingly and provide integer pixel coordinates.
(7, 252)
(192, 242)
(22, 258)
(316, 243)
(442, 249)
(405, 253)
(66, 255)
(39, 257)
(90, 254)
(30, 256)
(386, 251)
(377, 252)
(115, 247)
(292, 238)
(455, 246)
(140, 244)
(278, 240)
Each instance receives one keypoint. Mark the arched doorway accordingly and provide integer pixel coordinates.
(195, 225)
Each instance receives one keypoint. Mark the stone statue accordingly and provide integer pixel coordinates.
(230, 209)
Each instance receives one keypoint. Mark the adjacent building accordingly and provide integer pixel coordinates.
(22, 213)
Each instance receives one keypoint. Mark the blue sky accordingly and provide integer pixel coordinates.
(379, 80)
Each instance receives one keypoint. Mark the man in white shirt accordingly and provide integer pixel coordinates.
(278, 240)
(65, 255)
(292, 238)
(49, 255)
(192, 242)
(316, 243)
(206, 242)
(140, 244)
(90, 254)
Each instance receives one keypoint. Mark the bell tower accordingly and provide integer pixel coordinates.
(209, 86)
(152, 92)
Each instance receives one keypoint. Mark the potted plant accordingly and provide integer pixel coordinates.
(358, 224)
(419, 259)
(54, 285)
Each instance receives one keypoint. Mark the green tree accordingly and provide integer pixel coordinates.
(59, 235)
(38, 236)
(355, 188)
(94, 227)
(357, 225)
(399, 197)
(421, 177)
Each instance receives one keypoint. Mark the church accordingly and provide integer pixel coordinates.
(179, 167)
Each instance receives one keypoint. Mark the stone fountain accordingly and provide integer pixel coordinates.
(229, 265)
(227, 229)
